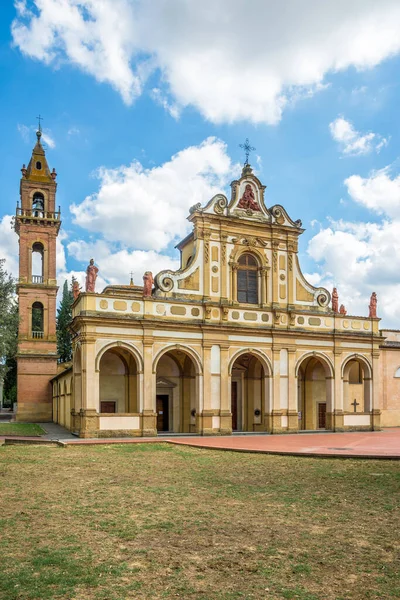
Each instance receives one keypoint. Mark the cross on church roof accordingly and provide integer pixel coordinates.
(247, 148)
(39, 118)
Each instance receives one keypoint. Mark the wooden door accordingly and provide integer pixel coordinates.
(234, 406)
(321, 415)
(162, 412)
(107, 406)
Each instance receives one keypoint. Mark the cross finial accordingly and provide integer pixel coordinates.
(39, 118)
(247, 148)
(131, 281)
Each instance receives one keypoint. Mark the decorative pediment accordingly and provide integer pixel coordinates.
(280, 217)
(164, 382)
(247, 198)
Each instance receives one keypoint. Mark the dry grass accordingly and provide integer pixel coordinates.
(158, 521)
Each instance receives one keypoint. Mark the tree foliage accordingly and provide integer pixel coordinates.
(8, 322)
(64, 318)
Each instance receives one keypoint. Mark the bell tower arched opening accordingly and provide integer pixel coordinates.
(37, 263)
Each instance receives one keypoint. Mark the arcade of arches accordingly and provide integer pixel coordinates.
(303, 395)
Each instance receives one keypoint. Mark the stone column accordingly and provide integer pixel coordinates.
(376, 388)
(90, 389)
(208, 412)
(274, 419)
(335, 420)
(293, 410)
(226, 413)
(149, 416)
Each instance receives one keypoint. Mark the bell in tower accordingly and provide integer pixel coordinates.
(37, 224)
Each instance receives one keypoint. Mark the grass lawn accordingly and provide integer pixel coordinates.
(30, 429)
(157, 521)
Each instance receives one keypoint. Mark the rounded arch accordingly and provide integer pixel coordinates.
(131, 349)
(325, 360)
(192, 353)
(363, 359)
(263, 358)
(256, 252)
(41, 191)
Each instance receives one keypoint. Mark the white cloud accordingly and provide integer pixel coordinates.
(9, 245)
(48, 138)
(73, 131)
(147, 208)
(352, 142)
(27, 131)
(379, 192)
(360, 258)
(163, 101)
(231, 60)
(116, 265)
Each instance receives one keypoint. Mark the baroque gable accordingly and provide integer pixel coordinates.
(222, 232)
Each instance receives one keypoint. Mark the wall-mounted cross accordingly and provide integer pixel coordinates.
(247, 148)
(39, 118)
(355, 404)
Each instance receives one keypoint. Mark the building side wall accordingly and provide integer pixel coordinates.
(390, 403)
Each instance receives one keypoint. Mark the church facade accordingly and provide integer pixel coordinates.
(235, 340)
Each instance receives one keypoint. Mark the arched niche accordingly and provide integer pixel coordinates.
(118, 381)
(357, 384)
(314, 391)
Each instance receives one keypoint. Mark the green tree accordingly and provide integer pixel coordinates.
(8, 333)
(64, 318)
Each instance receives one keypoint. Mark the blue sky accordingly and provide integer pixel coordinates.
(144, 110)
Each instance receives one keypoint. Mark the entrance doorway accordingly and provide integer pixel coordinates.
(321, 415)
(234, 405)
(162, 409)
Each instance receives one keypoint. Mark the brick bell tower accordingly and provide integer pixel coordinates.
(37, 224)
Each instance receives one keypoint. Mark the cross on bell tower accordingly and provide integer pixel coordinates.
(37, 223)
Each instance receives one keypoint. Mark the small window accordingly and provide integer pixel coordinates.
(397, 374)
(247, 279)
(38, 165)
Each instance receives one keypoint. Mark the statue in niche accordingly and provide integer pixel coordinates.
(76, 289)
(248, 200)
(91, 276)
(147, 284)
(372, 305)
(335, 300)
(342, 310)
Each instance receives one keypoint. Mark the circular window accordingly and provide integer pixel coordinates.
(38, 165)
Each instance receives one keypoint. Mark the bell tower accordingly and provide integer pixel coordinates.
(37, 224)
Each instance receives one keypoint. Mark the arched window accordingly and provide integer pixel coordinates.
(38, 204)
(37, 320)
(37, 262)
(38, 165)
(247, 279)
